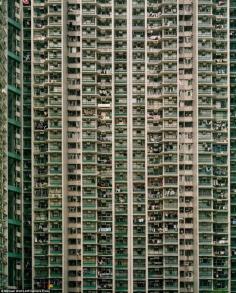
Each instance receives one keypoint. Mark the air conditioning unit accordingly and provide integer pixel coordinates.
(18, 201)
(18, 267)
(18, 212)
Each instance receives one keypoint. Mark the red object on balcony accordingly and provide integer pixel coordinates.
(26, 2)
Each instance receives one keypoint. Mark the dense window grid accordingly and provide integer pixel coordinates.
(149, 138)
(14, 174)
(27, 193)
(233, 140)
(130, 137)
(3, 146)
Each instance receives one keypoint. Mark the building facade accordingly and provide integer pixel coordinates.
(3, 146)
(233, 141)
(121, 145)
(14, 144)
(26, 101)
(12, 256)
(131, 145)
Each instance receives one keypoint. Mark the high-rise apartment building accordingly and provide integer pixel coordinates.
(233, 140)
(26, 145)
(15, 248)
(121, 145)
(14, 145)
(131, 145)
(3, 146)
